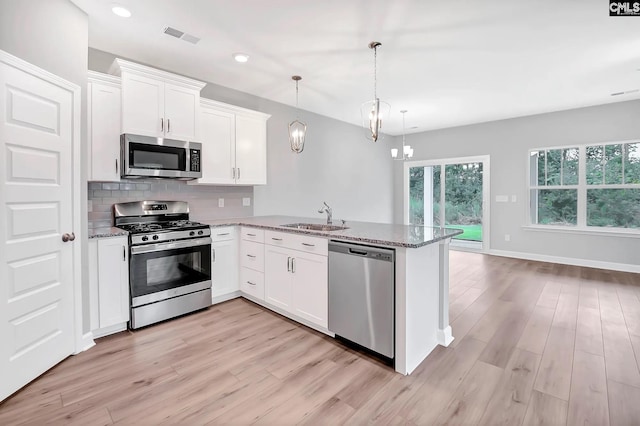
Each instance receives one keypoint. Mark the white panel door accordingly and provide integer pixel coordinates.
(142, 105)
(277, 277)
(36, 202)
(217, 133)
(310, 288)
(104, 132)
(251, 150)
(181, 112)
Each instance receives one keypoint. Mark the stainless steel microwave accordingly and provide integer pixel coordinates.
(145, 156)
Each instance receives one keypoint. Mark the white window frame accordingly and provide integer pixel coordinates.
(582, 187)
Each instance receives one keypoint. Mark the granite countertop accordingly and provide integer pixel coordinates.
(108, 231)
(409, 236)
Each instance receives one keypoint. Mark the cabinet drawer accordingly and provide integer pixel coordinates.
(253, 234)
(306, 243)
(252, 282)
(252, 255)
(225, 233)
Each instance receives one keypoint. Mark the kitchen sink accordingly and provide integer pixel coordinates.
(315, 226)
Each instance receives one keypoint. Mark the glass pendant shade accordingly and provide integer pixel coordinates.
(297, 132)
(297, 129)
(374, 113)
(407, 151)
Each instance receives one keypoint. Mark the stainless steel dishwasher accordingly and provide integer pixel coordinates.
(362, 295)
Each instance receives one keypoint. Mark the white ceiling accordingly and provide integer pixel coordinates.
(448, 63)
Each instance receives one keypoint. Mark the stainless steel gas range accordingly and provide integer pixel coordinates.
(169, 262)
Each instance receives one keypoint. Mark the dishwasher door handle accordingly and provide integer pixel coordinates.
(358, 252)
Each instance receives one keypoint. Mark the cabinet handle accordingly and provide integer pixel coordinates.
(276, 239)
(116, 166)
(250, 283)
(224, 233)
(251, 235)
(124, 254)
(238, 172)
(251, 256)
(293, 265)
(161, 124)
(288, 264)
(233, 172)
(213, 255)
(168, 125)
(308, 245)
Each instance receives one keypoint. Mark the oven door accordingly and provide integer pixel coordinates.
(144, 156)
(165, 270)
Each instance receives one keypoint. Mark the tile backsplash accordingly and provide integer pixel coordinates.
(203, 199)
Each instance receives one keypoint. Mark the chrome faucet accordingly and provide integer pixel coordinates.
(328, 210)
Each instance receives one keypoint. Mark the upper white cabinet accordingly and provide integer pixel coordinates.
(157, 103)
(234, 145)
(103, 127)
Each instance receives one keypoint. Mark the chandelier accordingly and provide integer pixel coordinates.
(374, 111)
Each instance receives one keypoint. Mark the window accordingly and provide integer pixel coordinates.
(586, 186)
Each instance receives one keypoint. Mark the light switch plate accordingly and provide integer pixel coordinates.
(502, 198)
(220, 202)
(513, 198)
(246, 201)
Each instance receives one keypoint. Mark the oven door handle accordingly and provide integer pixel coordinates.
(150, 248)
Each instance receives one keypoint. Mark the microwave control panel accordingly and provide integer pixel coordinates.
(194, 154)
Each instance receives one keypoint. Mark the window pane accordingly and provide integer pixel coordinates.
(416, 195)
(632, 163)
(436, 196)
(557, 206)
(554, 161)
(613, 164)
(538, 159)
(595, 158)
(613, 207)
(570, 158)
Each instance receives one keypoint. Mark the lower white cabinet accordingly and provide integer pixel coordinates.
(224, 264)
(252, 262)
(109, 284)
(296, 281)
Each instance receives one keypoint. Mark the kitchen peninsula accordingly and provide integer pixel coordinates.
(421, 274)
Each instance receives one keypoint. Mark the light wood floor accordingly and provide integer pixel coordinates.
(535, 343)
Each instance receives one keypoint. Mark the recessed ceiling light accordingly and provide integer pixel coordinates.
(241, 57)
(121, 11)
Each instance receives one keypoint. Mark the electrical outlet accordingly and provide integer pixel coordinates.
(507, 237)
(246, 202)
(513, 198)
(220, 202)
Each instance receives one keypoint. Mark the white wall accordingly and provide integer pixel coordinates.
(508, 142)
(338, 165)
(54, 35)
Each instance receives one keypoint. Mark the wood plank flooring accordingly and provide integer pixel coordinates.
(535, 343)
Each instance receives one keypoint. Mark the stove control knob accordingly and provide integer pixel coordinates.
(145, 238)
(155, 237)
(191, 234)
(200, 232)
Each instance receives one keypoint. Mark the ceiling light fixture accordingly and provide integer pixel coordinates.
(241, 57)
(407, 151)
(297, 129)
(121, 11)
(373, 112)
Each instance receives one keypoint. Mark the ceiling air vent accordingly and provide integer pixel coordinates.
(181, 35)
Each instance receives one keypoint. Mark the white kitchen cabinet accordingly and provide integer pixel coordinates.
(103, 127)
(296, 281)
(252, 262)
(109, 284)
(234, 145)
(157, 103)
(224, 264)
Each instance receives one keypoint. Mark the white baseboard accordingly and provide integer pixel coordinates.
(445, 337)
(86, 342)
(622, 267)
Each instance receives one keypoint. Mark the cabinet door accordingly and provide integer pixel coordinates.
(104, 126)
(224, 268)
(251, 151)
(181, 112)
(310, 288)
(113, 281)
(142, 105)
(277, 277)
(217, 133)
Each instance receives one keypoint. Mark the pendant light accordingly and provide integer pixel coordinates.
(297, 129)
(407, 151)
(374, 111)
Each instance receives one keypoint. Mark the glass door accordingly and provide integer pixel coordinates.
(451, 193)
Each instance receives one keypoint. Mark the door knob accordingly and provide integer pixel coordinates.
(68, 237)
